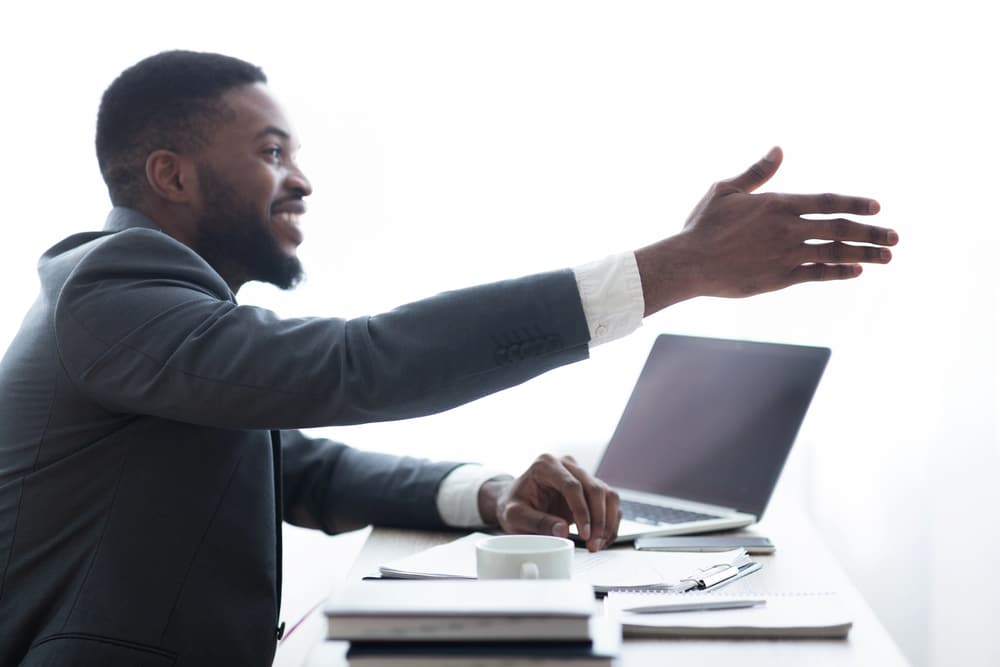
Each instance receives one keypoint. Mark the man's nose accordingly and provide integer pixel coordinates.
(297, 181)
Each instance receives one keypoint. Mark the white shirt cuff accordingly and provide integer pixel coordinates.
(458, 495)
(611, 293)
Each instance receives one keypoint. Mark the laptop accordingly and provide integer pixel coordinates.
(706, 432)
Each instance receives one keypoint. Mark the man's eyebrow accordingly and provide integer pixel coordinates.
(271, 129)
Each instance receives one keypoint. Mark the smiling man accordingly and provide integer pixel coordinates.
(229, 189)
(148, 422)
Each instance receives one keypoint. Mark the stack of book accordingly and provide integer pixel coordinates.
(466, 622)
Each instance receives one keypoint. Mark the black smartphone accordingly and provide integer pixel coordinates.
(752, 543)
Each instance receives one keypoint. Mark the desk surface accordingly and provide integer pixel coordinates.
(800, 562)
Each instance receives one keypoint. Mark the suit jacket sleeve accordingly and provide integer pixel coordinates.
(145, 326)
(335, 488)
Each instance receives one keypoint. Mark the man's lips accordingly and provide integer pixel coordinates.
(296, 206)
(286, 217)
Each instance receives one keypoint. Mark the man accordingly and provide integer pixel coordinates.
(148, 442)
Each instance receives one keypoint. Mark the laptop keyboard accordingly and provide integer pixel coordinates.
(646, 513)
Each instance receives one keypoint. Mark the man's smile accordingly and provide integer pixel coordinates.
(286, 217)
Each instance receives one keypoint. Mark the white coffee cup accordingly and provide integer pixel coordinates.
(524, 557)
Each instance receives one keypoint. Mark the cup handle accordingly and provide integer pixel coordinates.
(529, 570)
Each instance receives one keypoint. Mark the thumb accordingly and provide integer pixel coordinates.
(760, 173)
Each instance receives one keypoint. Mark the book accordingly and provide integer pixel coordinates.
(434, 611)
(608, 570)
(601, 652)
(806, 615)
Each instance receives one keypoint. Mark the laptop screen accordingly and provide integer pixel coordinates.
(713, 420)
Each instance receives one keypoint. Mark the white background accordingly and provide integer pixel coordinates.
(451, 143)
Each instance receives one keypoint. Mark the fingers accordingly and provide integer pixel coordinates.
(594, 494)
(601, 515)
(759, 173)
(523, 518)
(557, 475)
(830, 203)
(836, 261)
(823, 272)
(613, 515)
(554, 492)
(841, 229)
(843, 253)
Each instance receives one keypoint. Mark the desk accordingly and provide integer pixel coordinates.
(801, 561)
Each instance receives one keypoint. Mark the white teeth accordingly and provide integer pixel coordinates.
(287, 218)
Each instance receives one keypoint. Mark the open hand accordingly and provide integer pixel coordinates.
(737, 244)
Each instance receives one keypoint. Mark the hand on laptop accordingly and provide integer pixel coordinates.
(551, 494)
(738, 244)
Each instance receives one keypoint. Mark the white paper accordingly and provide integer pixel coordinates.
(604, 570)
(452, 560)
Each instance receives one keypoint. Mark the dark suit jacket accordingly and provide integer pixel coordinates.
(144, 416)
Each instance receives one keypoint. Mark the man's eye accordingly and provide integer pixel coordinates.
(274, 152)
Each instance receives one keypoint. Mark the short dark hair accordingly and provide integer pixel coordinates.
(166, 101)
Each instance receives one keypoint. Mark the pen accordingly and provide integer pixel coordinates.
(696, 605)
(710, 579)
(741, 571)
(717, 577)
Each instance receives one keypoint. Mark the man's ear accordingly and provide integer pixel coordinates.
(171, 176)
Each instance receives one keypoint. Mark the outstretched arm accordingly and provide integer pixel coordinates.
(734, 244)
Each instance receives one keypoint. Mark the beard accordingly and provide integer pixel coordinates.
(237, 241)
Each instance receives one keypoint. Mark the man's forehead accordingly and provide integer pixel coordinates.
(257, 112)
